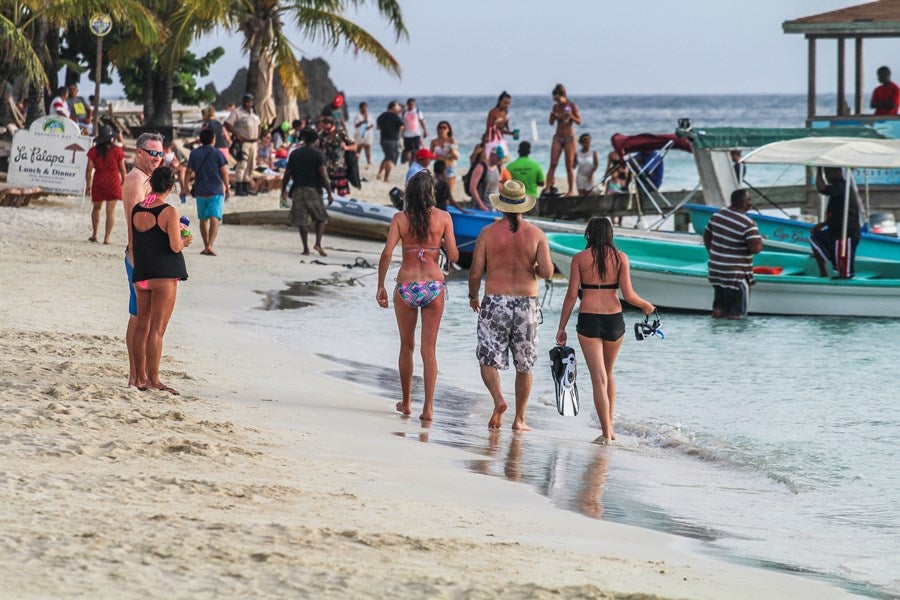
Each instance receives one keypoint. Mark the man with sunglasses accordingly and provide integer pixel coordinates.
(148, 156)
(243, 125)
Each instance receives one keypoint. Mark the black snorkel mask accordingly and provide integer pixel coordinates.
(645, 329)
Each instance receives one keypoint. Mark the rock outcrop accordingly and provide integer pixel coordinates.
(321, 89)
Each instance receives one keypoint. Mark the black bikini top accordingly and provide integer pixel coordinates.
(594, 286)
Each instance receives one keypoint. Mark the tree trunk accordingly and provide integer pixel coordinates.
(285, 103)
(265, 105)
(38, 101)
(163, 95)
(146, 62)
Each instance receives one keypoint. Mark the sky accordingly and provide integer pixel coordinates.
(594, 47)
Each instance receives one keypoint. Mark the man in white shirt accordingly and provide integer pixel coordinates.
(58, 106)
(414, 130)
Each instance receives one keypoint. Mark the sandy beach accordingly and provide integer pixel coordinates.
(266, 478)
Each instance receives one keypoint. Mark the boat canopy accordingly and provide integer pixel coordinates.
(642, 142)
(729, 138)
(830, 152)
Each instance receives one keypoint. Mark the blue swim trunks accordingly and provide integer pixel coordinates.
(132, 297)
(211, 206)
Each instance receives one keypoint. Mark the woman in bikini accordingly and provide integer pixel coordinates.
(422, 231)
(563, 114)
(597, 273)
(497, 124)
(156, 237)
(445, 148)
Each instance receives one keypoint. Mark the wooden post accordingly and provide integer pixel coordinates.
(841, 96)
(98, 75)
(811, 79)
(859, 76)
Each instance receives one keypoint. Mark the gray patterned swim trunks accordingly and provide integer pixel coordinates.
(508, 323)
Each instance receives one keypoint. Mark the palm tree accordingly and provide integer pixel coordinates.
(30, 34)
(262, 24)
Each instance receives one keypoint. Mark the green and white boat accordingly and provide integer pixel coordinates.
(674, 276)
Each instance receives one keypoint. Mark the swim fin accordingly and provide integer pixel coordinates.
(562, 367)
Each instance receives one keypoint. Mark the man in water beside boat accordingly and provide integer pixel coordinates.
(512, 254)
(826, 237)
(731, 239)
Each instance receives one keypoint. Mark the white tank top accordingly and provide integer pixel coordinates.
(491, 181)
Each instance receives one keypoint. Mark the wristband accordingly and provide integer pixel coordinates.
(471, 297)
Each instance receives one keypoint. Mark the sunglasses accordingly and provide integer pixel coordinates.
(443, 127)
(153, 153)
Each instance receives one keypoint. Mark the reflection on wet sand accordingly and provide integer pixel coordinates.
(574, 473)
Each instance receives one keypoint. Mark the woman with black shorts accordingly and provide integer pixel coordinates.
(597, 273)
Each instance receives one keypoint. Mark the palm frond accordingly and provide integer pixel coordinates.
(292, 77)
(390, 10)
(16, 49)
(333, 30)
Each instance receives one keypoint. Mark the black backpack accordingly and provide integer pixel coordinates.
(467, 178)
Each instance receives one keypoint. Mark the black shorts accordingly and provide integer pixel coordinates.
(731, 302)
(412, 144)
(391, 149)
(607, 327)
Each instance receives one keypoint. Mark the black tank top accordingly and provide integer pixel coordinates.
(153, 257)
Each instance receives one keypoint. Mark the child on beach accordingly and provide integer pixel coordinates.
(424, 233)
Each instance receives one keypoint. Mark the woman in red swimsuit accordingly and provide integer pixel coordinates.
(422, 230)
(104, 177)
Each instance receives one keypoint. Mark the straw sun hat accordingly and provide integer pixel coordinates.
(512, 198)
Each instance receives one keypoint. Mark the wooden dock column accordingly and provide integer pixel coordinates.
(841, 96)
(811, 79)
(859, 76)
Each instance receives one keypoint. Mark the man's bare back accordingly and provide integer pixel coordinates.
(512, 262)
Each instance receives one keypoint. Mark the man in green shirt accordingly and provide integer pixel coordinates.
(527, 170)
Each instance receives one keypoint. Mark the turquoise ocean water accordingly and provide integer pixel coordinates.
(770, 441)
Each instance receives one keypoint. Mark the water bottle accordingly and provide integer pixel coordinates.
(515, 135)
(185, 221)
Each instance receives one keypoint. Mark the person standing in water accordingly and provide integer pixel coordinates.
(423, 232)
(511, 254)
(565, 116)
(597, 274)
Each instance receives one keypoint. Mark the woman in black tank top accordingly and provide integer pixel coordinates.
(601, 325)
(158, 266)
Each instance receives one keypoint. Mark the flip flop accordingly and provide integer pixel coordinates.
(170, 390)
(92, 239)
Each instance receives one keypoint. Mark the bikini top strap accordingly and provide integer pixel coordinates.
(420, 251)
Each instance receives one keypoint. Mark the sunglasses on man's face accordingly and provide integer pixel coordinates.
(153, 153)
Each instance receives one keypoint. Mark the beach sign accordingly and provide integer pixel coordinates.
(51, 154)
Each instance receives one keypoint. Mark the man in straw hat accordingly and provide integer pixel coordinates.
(512, 254)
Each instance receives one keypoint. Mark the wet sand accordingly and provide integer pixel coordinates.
(266, 477)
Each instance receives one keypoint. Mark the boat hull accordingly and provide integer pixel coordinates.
(674, 276)
(357, 218)
(793, 236)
